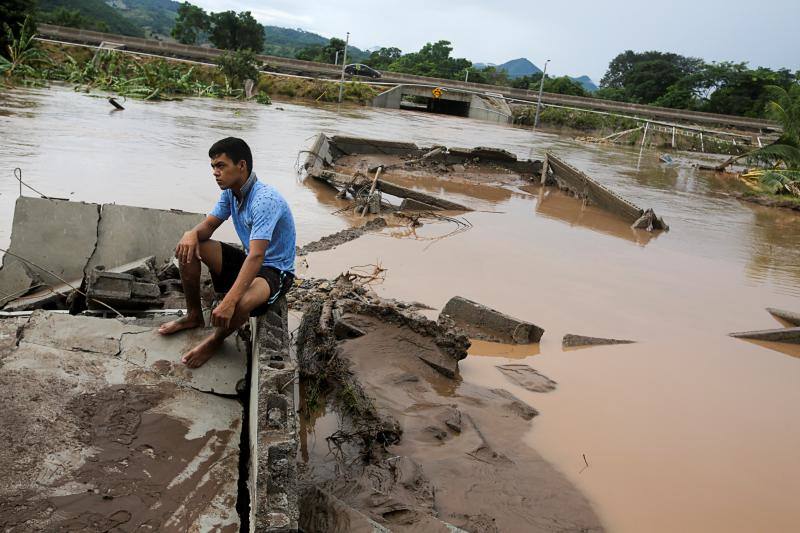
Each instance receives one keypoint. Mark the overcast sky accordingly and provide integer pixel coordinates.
(578, 36)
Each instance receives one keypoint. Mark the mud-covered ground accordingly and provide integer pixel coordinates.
(412, 447)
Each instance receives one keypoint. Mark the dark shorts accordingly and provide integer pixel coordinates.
(232, 260)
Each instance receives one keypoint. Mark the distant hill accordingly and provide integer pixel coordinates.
(101, 15)
(586, 82)
(516, 68)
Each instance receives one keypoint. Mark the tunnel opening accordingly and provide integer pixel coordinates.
(440, 106)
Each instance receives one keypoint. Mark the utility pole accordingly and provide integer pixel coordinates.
(466, 78)
(539, 101)
(344, 62)
(336, 60)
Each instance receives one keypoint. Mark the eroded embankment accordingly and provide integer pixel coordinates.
(413, 447)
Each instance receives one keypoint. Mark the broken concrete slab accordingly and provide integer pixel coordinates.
(581, 185)
(409, 204)
(788, 335)
(68, 228)
(91, 442)
(574, 341)
(527, 378)
(482, 322)
(119, 220)
(78, 333)
(789, 317)
(141, 346)
(162, 354)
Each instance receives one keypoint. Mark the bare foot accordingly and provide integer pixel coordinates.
(201, 353)
(185, 322)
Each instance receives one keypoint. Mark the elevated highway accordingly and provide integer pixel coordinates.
(309, 68)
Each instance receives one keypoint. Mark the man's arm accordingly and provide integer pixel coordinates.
(189, 246)
(222, 314)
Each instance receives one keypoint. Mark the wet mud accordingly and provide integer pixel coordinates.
(403, 445)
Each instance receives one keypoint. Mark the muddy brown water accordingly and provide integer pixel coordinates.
(687, 430)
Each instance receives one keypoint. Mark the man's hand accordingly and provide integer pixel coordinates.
(222, 314)
(188, 247)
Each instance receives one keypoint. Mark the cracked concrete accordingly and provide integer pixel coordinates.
(101, 432)
(81, 236)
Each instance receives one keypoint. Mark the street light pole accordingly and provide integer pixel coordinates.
(539, 101)
(344, 62)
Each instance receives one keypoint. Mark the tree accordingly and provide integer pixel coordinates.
(644, 77)
(239, 66)
(433, 60)
(323, 54)
(232, 31)
(383, 57)
(190, 23)
(563, 85)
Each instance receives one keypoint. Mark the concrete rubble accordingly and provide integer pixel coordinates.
(482, 322)
(575, 341)
(326, 154)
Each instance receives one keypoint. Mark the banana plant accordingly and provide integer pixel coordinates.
(22, 55)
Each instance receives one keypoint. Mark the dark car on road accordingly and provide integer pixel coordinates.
(358, 69)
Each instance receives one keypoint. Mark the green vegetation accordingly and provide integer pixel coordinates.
(672, 80)
(12, 15)
(227, 30)
(22, 57)
(323, 53)
(88, 14)
(191, 23)
(570, 118)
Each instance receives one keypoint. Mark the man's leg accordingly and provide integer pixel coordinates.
(211, 255)
(256, 295)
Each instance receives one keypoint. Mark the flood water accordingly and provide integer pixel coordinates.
(686, 430)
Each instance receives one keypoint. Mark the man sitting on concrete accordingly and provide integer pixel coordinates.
(252, 279)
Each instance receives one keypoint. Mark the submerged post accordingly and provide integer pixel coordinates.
(344, 62)
(539, 100)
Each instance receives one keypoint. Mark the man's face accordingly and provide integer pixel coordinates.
(226, 172)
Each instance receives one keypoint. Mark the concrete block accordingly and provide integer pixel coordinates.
(483, 322)
(274, 425)
(120, 291)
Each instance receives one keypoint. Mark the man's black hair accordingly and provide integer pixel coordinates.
(234, 148)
